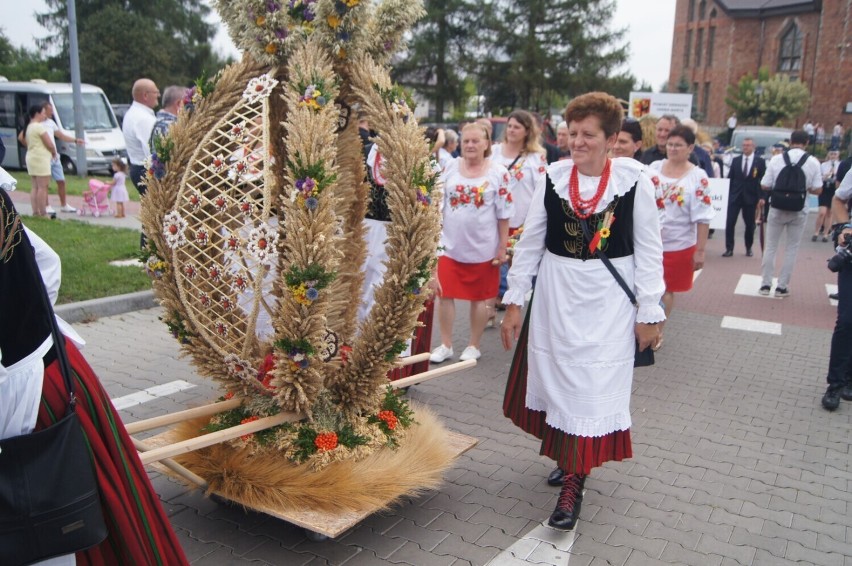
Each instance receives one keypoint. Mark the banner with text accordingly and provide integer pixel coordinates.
(659, 103)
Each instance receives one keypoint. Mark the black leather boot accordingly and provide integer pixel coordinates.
(568, 505)
(555, 477)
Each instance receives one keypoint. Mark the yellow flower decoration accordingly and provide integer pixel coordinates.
(271, 48)
(333, 21)
(261, 20)
(605, 232)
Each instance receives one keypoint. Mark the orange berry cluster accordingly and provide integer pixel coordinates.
(389, 417)
(250, 419)
(326, 441)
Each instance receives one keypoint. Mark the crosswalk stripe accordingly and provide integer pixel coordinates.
(751, 325)
(151, 394)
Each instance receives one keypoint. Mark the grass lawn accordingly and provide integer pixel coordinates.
(86, 251)
(73, 185)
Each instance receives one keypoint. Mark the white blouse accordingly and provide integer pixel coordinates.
(647, 246)
(471, 209)
(524, 176)
(686, 201)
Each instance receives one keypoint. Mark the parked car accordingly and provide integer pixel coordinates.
(764, 138)
(120, 110)
(104, 140)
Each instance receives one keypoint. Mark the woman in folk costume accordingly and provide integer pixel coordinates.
(33, 397)
(523, 156)
(571, 376)
(477, 207)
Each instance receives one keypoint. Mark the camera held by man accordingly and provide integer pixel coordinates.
(843, 246)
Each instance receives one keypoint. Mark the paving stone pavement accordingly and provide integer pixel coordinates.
(735, 462)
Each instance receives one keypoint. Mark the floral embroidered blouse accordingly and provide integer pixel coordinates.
(687, 202)
(471, 210)
(524, 176)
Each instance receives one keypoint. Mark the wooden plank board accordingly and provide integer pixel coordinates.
(329, 524)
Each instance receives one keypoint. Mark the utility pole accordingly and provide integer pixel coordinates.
(79, 125)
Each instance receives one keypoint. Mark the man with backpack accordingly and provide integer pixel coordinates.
(789, 178)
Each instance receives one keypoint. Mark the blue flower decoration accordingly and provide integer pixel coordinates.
(311, 203)
(311, 294)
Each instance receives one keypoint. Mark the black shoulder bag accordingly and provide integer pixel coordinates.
(644, 357)
(49, 500)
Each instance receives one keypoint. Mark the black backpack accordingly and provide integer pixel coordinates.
(791, 187)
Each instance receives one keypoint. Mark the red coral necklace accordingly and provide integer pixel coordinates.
(585, 208)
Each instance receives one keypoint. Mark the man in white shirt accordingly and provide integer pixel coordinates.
(792, 221)
(137, 127)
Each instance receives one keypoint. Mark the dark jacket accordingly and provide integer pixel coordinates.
(745, 189)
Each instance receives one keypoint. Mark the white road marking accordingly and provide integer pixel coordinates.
(542, 545)
(151, 394)
(751, 325)
(829, 289)
(750, 285)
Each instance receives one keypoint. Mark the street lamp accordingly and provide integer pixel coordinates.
(758, 90)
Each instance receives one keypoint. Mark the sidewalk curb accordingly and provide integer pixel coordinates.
(106, 306)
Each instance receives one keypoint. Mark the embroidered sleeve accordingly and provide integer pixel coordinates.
(505, 206)
(647, 253)
(701, 207)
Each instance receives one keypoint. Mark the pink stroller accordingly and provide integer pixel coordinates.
(96, 199)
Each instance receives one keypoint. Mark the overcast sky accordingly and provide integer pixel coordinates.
(649, 30)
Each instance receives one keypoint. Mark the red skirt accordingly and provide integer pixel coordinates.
(574, 454)
(139, 530)
(679, 269)
(421, 344)
(468, 281)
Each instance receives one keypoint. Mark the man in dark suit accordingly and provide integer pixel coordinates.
(745, 174)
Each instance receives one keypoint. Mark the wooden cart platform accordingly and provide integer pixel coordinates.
(159, 450)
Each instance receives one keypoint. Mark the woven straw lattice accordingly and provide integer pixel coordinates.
(223, 197)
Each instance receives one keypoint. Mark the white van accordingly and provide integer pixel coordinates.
(104, 140)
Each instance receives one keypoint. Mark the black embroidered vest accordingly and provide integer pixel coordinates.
(564, 235)
(24, 323)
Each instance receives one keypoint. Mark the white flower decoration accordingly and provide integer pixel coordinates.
(259, 88)
(220, 202)
(193, 200)
(263, 244)
(239, 132)
(246, 207)
(218, 163)
(238, 367)
(174, 228)
(201, 237)
(190, 271)
(240, 283)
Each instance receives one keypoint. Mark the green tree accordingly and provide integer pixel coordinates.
(765, 100)
(743, 99)
(437, 59)
(782, 99)
(122, 40)
(544, 49)
(21, 64)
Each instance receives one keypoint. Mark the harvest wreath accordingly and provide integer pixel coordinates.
(254, 216)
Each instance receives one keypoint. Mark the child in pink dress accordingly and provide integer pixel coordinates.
(118, 194)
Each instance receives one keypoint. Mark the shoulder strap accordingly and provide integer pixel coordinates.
(786, 158)
(602, 256)
(804, 158)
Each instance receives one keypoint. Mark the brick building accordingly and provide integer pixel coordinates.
(716, 42)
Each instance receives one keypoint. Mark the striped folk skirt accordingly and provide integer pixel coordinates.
(574, 454)
(139, 530)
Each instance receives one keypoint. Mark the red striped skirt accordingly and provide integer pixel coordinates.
(468, 281)
(574, 454)
(139, 530)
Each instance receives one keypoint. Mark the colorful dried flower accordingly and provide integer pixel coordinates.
(259, 88)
